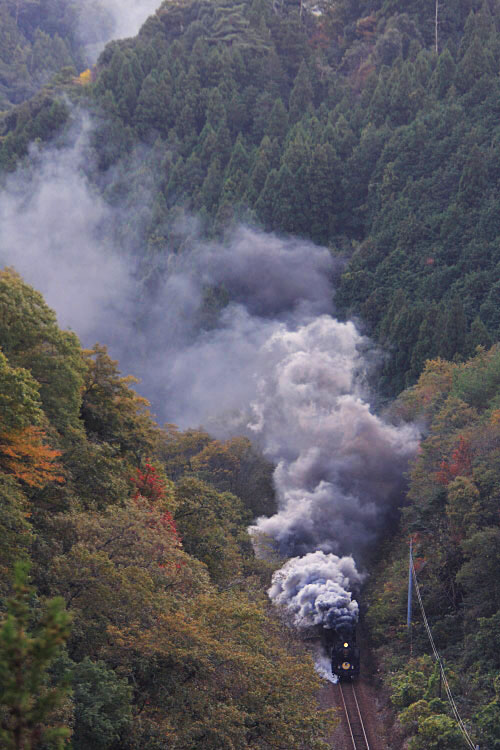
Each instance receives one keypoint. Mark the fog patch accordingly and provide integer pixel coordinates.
(101, 21)
(54, 231)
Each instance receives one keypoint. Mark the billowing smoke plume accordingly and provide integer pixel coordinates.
(57, 231)
(316, 590)
(339, 467)
(269, 360)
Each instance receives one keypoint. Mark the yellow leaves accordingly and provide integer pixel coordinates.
(178, 449)
(426, 397)
(84, 78)
(435, 380)
(217, 463)
(112, 410)
(24, 454)
(495, 418)
(440, 367)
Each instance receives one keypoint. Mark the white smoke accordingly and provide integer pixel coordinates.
(323, 667)
(316, 590)
(129, 15)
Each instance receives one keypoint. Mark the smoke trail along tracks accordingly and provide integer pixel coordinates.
(353, 716)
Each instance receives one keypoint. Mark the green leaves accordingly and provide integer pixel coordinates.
(30, 339)
(19, 397)
(103, 711)
(27, 700)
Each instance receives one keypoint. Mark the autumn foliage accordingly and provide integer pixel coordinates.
(146, 543)
(152, 488)
(452, 515)
(148, 484)
(24, 454)
(460, 464)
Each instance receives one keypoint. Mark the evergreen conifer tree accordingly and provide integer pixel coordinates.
(27, 701)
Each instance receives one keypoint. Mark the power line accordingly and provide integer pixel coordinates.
(451, 699)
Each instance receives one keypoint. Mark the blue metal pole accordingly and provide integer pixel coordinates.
(410, 587)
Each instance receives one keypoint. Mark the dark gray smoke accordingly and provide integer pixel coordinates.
(214, 376)
(339, 467)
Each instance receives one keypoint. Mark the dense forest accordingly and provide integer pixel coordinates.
(369, 127)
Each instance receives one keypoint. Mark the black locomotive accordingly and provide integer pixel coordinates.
(344, 652)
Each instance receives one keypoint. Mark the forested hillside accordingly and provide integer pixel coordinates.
(344, 127)
(136, 534)
(37, 41)
(453, 519)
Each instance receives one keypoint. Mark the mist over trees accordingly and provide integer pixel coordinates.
(344, 128)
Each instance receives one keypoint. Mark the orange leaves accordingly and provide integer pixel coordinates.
(365, 27)
(495, 417)
(419, 564)
(24, 454)
(436, 379)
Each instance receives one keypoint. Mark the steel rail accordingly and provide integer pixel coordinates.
(358, 742)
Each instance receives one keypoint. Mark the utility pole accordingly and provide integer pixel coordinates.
(410, 594)
(436, 24)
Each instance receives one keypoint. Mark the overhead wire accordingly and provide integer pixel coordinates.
(437, 656)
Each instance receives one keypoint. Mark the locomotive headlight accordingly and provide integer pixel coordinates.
(345, 665)
(346, 645)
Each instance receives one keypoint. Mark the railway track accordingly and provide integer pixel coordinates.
(353, 716)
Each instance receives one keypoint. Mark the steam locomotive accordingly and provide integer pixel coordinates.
(343, 652)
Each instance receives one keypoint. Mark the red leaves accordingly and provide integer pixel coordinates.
(168, 523)
(149, 484)
(151, 487)
(460, 464)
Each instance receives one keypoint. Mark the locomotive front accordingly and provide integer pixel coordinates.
(345, 654)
